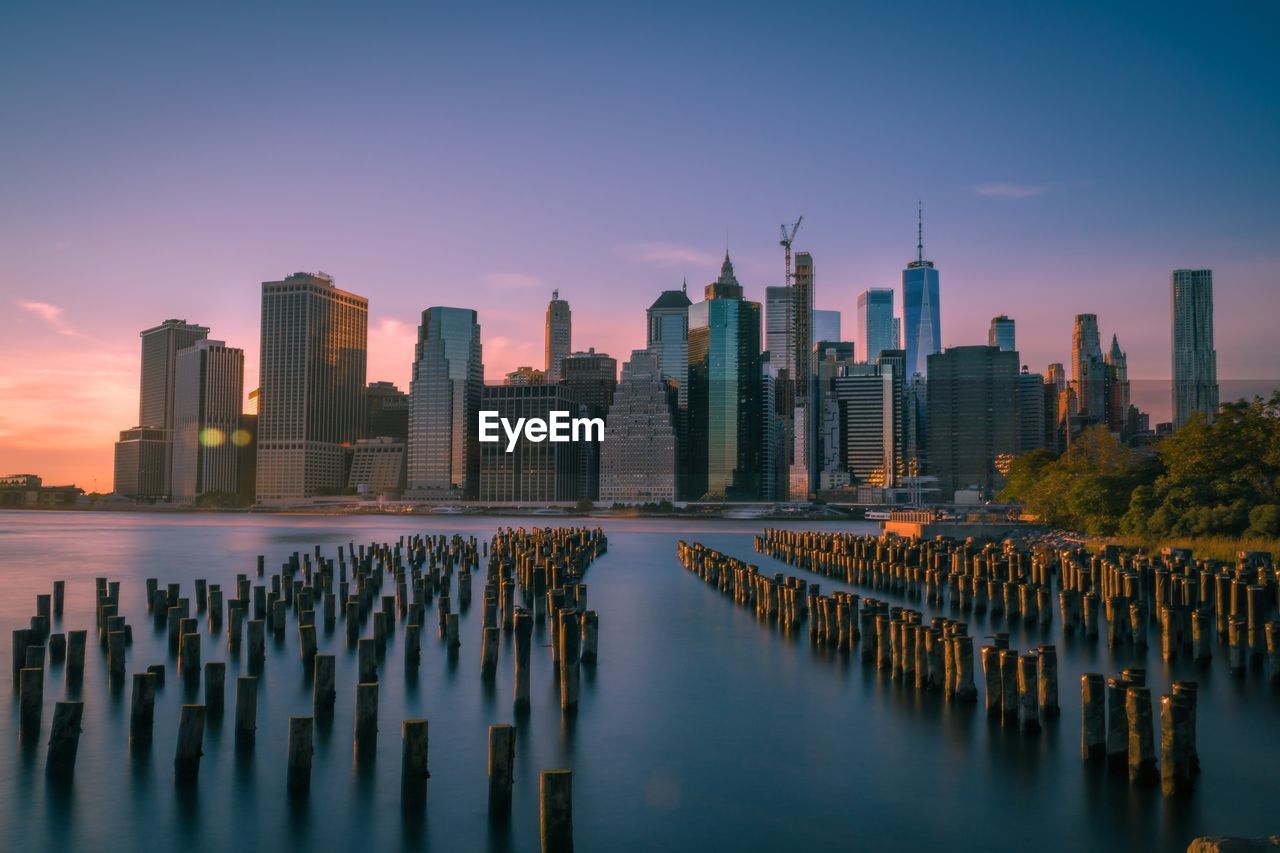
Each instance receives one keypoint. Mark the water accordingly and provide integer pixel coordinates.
(700, 728)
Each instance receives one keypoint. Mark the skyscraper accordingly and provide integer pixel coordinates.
(800, 479)
(1117, 363)
(1088, 368)
(534, 471)
(594, 377)
(668, 336)
(779, 323)
(444, 395)
(311, 400)
(208, 397)
(1000, 334)
(724, 393)
(638, 455)
(387, 412)
(559, 335)
(870, 403)
(160, 347)
(922, 320)
(1195, 361)
(1030, 411)
(877, 327)
(972, 416)
(826, 325)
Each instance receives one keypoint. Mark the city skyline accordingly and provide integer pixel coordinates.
(1050, 183)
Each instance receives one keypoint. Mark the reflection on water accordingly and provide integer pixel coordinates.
(699, 729)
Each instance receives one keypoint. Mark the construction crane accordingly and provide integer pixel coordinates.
(785, 242)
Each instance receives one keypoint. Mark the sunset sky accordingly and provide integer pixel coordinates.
(161, 160)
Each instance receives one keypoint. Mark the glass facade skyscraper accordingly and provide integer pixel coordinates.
(877, 327)
(1195, 361)
(444, 402)
(559, 335)
(725, 447)
(1001, 334)
(208, 397)
(311, 396)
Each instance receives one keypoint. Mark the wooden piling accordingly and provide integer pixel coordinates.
(367, 655)
(1047, 680)
(1142, 754)
(64, 739)
(1028, 698)
(555, 795)
(524, 640)
(1117, 723)
(413, 759)
(142, 707)
(591, 636)
(366, 736)
(1175, 745)
(30, 703)
(1093, 722)
(569, 652)
(301, 748)
(186, 759)
(215, 677)
(246, 710)
(502, 754)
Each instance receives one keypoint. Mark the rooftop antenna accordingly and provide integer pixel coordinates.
(920, 232)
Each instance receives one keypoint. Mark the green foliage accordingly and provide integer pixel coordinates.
(1088, 488)
(1208, 479)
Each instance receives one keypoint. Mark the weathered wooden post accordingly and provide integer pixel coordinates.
(367, 651)
(591, 636)
(64, 739)
(489, 652)
(1047, 678)
(1028, 699)
(502, 754)
(246, 710)
(59, 595)
(301, 731)
(189, 659)
(215, 678)
(412, 648)
(257, 644)
(524, 641)
(307, 645)
(413, 761)
(1142, 749)
(142, 707)
(1009, 687)
(157, 669)
(366, 720)
(1189, 691)
(556, 811)
(1093, 718)
(30, 702)
(57, 648)
(1175, 745)
(324, 691)
(186, 759)
(1117, 723)
(115, 656)
(569, 651)
(962, 653)
(451, 632)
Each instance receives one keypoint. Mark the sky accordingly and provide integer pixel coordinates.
(161, 160)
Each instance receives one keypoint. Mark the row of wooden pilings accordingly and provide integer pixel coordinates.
(557, 558)
(1128, 595)
(1020, 689)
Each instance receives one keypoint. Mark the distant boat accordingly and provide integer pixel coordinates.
(877, 515)
(746, 512)
(447, 510)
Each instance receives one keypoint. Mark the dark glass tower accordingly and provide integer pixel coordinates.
(444, 405)
(922, 323)
(725, 447)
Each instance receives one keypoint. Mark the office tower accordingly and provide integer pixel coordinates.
(922, 321)
(638, 454)
(444, 405)
(251, 407)
(559, 335)
(668, 336)
(1118, 405)
(896, 359)
(1195, 361)
(830, 357)
(535, 472)
(972, 399)
(725, 447)
(141, 463)
(1088, 368)
(1030, 411)
(869, 400)
(160, 347)
(877, 327)
(386, 412)
(208, 396)
(800, 479)
(773, 430)
(594, 377)
(1000, 335)
(525, 375)
(311, 400)
(247, 455)
(826, 325)
(377, 467)
(779, 323)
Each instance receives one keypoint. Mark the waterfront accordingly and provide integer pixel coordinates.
(700, 728)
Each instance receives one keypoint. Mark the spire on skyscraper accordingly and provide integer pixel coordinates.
(919, 232)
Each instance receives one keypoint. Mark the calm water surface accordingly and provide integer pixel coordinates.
(699, 729)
